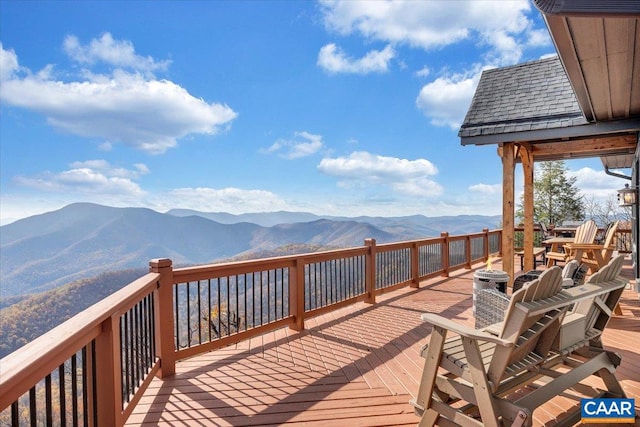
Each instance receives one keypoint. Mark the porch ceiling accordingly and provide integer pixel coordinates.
(599, 46)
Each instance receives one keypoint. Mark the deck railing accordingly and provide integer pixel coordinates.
(92, 369)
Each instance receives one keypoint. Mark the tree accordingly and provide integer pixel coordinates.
(555, 196)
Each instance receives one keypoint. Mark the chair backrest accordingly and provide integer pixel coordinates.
(532, 334)
(610, 236)
(592, 308)
(609, 272)
(545, 231)
(586, 232)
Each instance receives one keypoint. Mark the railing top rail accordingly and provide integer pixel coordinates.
(41, 356)
(202, 272)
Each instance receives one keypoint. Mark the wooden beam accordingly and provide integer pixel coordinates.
(586, 147)
(507, 151)
(526, 157)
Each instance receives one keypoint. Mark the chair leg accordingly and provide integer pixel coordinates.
(481, 387)
(422, 401)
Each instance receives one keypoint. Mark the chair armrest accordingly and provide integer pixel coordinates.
(592, 246)
(464, 331)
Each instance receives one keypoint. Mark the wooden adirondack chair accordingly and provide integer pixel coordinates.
(579, 347)
(585, 233)
(594, 313)
(592, 254)
(481, 366)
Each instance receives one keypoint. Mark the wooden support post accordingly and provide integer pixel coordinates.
(507, 152)
(445, 254)
(370, 271)
(163, 299)
(108, 386)
(485, 245)
(296, 295)
(526, 155)
(415, 265)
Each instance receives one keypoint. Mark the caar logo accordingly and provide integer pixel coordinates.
(608, 410)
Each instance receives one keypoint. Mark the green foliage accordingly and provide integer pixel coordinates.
(555, 196)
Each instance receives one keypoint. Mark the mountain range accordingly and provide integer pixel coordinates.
(83, 240)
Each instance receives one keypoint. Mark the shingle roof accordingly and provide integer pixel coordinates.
(532, 96)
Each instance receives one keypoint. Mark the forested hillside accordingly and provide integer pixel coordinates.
(34, 315)
(25, 318)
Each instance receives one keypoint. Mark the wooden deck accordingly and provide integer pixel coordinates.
(357, 366)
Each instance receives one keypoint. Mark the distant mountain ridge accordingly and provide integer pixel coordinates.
(416, 224)
(83, 239)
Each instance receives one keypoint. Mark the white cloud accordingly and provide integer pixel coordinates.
(423, 72)
(119, 53)
(360, 168)
(232, 200)
(96, 177)
(490, 189)
(121, 107)
(8, 63)
(539, 37)
(334, 60)
(596, 182)
(304, 144)
(447, 99)
(501, 28)
(434, 24)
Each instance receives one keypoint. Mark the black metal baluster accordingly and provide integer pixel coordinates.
(33, 406)
(253, 303)
(219, 310)
(237, 286)
(62, 396)
(279, 295)
(15, 414)
(138, 340)
(246, 309)
(146, 358)
(275, 276)
(94, 377)
(152, 327)
(124, 338)
(228, 308)
(199, 315)
(188, 302)
(176, 316)
(85, 394)
(74, 389)
(209, 307)
(47, 401)
(134, 350)
(262, 298)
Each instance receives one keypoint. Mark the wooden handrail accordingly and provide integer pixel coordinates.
(20, 370)
(100, 324)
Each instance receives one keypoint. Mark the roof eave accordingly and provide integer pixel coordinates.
(591, 8)
(591, 129)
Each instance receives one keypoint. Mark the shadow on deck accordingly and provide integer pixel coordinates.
(356, 366)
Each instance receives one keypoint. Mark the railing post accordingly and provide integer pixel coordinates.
(108, 385)
(445, 254)
(485, 245)
(467, 252)
(296, 295)
(415, 265)
(370, 271)
(163, 299)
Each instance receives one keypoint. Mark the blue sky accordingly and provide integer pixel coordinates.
(337, 108)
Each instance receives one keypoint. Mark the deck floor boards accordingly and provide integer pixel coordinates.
(356, 366)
